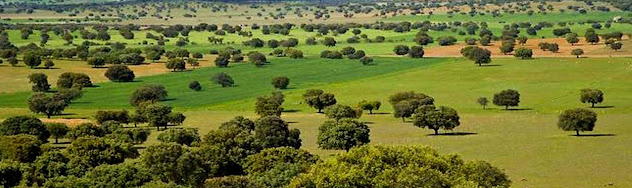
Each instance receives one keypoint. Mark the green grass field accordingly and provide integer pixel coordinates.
(526, 142)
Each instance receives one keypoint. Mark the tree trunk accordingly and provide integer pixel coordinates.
(370, 111)
(577, 132)
(48, 115)
(593, 105)
(483, 107)
(436, 131)
(319, 110)
(56, 140)
(506, 107)
(403, 120)
(158, 128)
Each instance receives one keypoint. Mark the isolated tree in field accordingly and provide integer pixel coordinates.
(369, 105)
(554, 47)
(401, 49)
(366, 60)
(577, 52)
(338, 112)
(572, 38)
(39, 81)
(120, 73)
(222, 60)
(592, 96)
(507, 98)
(616, 46)
(176, 64)
(153, 56)
(32, 59)
(280, 82)
(257, 58)
(522, 40)
(12, 61)
(479, 55)
(48, 64)
(223, 79)
(329, 41)
(24, 125)
(194, 62)
(96, 61)
(57, 130)
(42, 103)
(344, 134)
(270, 105)
(591, 36)
(416, 52)
(272, 131)
(443, 117)
(507, 47)
(578, 119)
(151, 93)
(195, 86)
(523, 53)
(318, 99)
(482, 101)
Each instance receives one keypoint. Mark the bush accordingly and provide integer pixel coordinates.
(120, 73)
(223, 79)
(401, 50)
(446, 41)
(523, 53)
(195, 86)
(281, 82)
(416, 52)
(151, 92)
(366, 60)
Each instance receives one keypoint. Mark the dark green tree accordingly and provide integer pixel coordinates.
(578, 119)
(443, 117)
(318, 99)
(39, 81)
(151, 93)
(343, 134)
(280, 82)
(507, 98)
(592, 96)
(223, 79)
(272, 131)
(57, 130)
(120, 73)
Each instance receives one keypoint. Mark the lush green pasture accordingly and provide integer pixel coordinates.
(251, 81)
(526, 142)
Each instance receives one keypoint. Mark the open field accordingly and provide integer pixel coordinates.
(521, 140)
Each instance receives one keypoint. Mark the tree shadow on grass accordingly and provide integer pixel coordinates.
(378, 113)
(291, 110)
(169, 99)
(490, 65)
(453, 134)
(519, 109)
(594, 135)
(64, 114)
(291, 122)
(603, 107)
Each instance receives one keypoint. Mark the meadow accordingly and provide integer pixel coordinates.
(521, 140)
